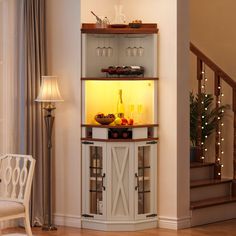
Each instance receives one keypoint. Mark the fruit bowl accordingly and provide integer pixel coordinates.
(104, 120)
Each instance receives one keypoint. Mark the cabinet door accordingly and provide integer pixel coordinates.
(94, 174)
(145, 179)
(120, 169)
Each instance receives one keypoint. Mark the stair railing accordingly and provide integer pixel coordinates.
(219, 75)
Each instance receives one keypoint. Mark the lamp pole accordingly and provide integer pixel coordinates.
(49, 120)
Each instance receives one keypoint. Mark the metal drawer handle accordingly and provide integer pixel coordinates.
(137, 186)
(103, 176)
(87, 215)
(151, 142)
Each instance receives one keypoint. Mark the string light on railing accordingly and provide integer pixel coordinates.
(204, 108)
(220, 127)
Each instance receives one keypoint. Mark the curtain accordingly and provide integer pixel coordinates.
(8, 77)
(31, 119)
(8, 82)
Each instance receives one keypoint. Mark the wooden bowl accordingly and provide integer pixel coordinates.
(104, 120)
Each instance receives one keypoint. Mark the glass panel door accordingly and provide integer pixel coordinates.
(96, 178)
(145, 174)
(144, 189)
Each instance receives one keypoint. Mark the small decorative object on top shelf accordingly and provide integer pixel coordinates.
(101, 23)
(120, 18)
(135, 24)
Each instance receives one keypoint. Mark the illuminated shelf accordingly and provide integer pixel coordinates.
(119, 78)
(119, 140)
(120, 126)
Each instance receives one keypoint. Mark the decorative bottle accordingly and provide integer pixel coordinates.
(120, 105)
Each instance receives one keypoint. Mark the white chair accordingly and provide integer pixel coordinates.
(16, 174)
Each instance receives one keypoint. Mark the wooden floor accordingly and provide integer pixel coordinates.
(226, 228)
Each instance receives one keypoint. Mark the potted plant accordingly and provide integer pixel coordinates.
(209, 116)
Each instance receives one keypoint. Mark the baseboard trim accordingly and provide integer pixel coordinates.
(67, 220)
(174, 223)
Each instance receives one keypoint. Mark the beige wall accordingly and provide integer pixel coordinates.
(212, 31)
(63, 50)
(173, 159)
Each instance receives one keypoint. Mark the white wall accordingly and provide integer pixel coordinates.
(173, 158)
(63, 49)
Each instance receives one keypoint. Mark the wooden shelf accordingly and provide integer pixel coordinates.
(119, 126)
(119, 140)
(89, 28)
(119, 78)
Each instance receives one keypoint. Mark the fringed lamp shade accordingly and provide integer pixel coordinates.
(49, 91)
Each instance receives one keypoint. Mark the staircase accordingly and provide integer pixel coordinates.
(212, 197)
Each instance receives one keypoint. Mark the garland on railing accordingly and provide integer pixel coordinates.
(220, 128)
(204, 123)
(220, 120)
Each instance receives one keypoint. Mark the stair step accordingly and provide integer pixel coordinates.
(212, 202)
(208, 182)
(199, 164)
(213, 213)
(201, 171)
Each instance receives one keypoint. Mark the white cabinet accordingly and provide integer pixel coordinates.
(119, 184)
(119, 160)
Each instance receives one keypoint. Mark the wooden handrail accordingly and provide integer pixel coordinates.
(218, 75)
(212, 65)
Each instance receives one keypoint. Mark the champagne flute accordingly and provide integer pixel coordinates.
(140, 111)
(131, 110)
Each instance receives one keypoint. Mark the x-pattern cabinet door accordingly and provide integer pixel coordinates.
(94, 181)
(145, 179)
(120, 168)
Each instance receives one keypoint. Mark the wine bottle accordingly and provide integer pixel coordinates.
(120, 105)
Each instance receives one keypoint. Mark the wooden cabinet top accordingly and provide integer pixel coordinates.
(144, 29)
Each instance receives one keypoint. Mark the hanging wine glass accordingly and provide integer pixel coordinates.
(109, 50)
(99, 49)
(104, 49)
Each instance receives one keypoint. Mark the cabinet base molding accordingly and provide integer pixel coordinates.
(174, 223)
(119, 225)
(67, 220)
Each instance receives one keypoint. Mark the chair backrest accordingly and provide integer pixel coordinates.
(16, 174)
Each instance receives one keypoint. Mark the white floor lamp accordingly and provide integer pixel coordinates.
(49, 94)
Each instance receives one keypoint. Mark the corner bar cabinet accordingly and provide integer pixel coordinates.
(119, 173)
